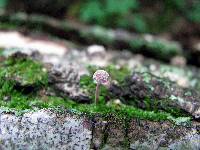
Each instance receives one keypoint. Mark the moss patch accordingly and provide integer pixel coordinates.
(116, 74)
(20, 80)
(20, 104)
(24, 71)
(28, 73)
(151, 112)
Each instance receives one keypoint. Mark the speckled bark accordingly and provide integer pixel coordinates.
(153, 135)
(47, 129)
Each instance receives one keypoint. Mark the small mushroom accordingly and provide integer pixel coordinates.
(101, 77)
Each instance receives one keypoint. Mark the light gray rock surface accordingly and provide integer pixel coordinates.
(44, 130)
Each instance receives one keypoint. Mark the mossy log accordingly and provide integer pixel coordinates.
(146, 44)
(37, 121)
(151, 92)
(143, 90)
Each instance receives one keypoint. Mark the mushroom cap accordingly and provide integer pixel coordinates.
(101, 77)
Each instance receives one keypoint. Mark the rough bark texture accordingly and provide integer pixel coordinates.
(154, 135)
(47, 129)
(65, 82)
(159, 92)
(144, 90)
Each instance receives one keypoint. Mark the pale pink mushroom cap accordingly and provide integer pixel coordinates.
(101, 77)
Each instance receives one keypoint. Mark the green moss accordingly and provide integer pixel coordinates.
(120, 112)
(30, 73)
(117, 74)
(87, 84)
(24, 71)
(152, 110)
(17, 77)
(22, 103)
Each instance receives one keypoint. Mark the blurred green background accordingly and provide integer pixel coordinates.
(135, 15)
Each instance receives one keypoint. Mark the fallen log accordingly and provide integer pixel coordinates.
(145, 44)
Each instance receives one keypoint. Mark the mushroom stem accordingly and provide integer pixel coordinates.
(97, 93)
